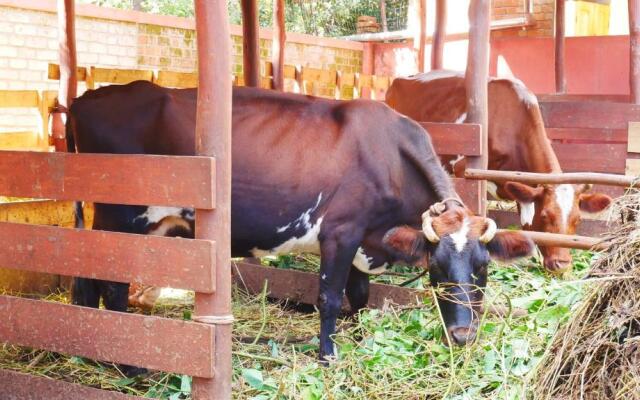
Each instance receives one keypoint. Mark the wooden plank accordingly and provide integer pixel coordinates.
(20, 386)
(177, 79)
(589, 157)
(151, 342)
(470, 193)
(539, 178)
(108, 178)
(19, 141)
(454, 139)
(632, 167)
(560, 240)
(119, 76)
(571, 114)
(587, 135)
(587, 227)
(289, 71)
(53, 72)
(634, 137)
(346, 79)
(614, 98)
(302, 287)
(319, 75)
(19, 98)
(112, 256)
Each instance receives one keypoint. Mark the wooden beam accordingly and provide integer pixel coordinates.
(67, 52)
(250, 43)
(439, 35)
(476, 79)
(540, 178)
(107, 178)
(112, 256)
(133, 339)
(559, 240)
(561, 81)
(422, 39)
(213, 138)
(278, 45)
(454, 139)
(383, 15)
(634, 50)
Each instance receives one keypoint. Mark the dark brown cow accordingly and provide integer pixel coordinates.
(517, 142)
(347, 180)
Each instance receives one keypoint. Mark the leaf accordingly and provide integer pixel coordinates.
(123, 382)
(253, 377)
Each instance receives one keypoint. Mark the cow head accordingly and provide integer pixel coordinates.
(459, 246)
(554, 209)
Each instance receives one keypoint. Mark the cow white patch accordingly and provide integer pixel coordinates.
(457, 160)
(460, 236)
(461, 118)
(303, 219)
(492, 189)
(527, 211)
(524, 94)
(564, 196)
(156, 214)
(307, 243)
(363, 262)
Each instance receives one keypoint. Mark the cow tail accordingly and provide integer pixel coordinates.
(78, 212)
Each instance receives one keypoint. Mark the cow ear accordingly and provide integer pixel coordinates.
(406, 242)
(507, 245)
(522, 193)
(594, 202)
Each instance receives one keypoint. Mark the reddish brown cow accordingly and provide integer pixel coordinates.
(517, 142)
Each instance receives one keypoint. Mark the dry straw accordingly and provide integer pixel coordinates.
(596, 355)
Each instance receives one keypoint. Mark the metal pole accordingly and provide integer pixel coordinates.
(634, 50)
(277, 47)
(476, 78)
(213, 139)
(439, 35)
(250, 43)
(561, 81)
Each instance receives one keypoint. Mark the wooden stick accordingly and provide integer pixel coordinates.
(542, 178)
(559, 240)
(476, 81)
(277, 46)
(634, 50)
(213, 139)
(250, 43)
(561, 81)
(437, 47)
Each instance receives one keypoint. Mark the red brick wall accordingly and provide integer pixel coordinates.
(542, 17)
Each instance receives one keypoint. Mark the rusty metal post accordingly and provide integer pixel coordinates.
(634, 50)
(277, 46)
(422, 39)
(476, 83)
(213, 138)
(561, 81)
(439, 35)
(68, 88)
(250, 43)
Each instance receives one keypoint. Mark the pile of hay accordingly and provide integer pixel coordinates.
(596, 355)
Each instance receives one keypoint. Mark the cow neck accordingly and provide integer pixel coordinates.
(537, 152)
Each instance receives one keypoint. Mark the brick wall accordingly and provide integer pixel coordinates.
(542, 17)
(122, 39)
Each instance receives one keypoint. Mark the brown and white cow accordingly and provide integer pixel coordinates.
(517, 142)
(349, 181)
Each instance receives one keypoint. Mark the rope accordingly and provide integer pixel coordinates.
(214, 319)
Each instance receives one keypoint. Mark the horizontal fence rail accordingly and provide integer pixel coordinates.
(559, 240)
(550, 178)
(23, 386)
(151, 342)
(109, 178)
(121, 257)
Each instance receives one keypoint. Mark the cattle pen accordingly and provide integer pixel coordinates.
(589, 133)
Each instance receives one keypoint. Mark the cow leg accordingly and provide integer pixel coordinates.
(357, 290)
(85, 292)
(337, 253)
(115, 295)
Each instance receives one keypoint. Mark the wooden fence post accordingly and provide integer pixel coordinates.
(439, 35)
(250, 43)
(634, 50)
(277, 46)
(561, 81)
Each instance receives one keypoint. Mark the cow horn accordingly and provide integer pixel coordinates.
(490, 232)
(427, 228)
